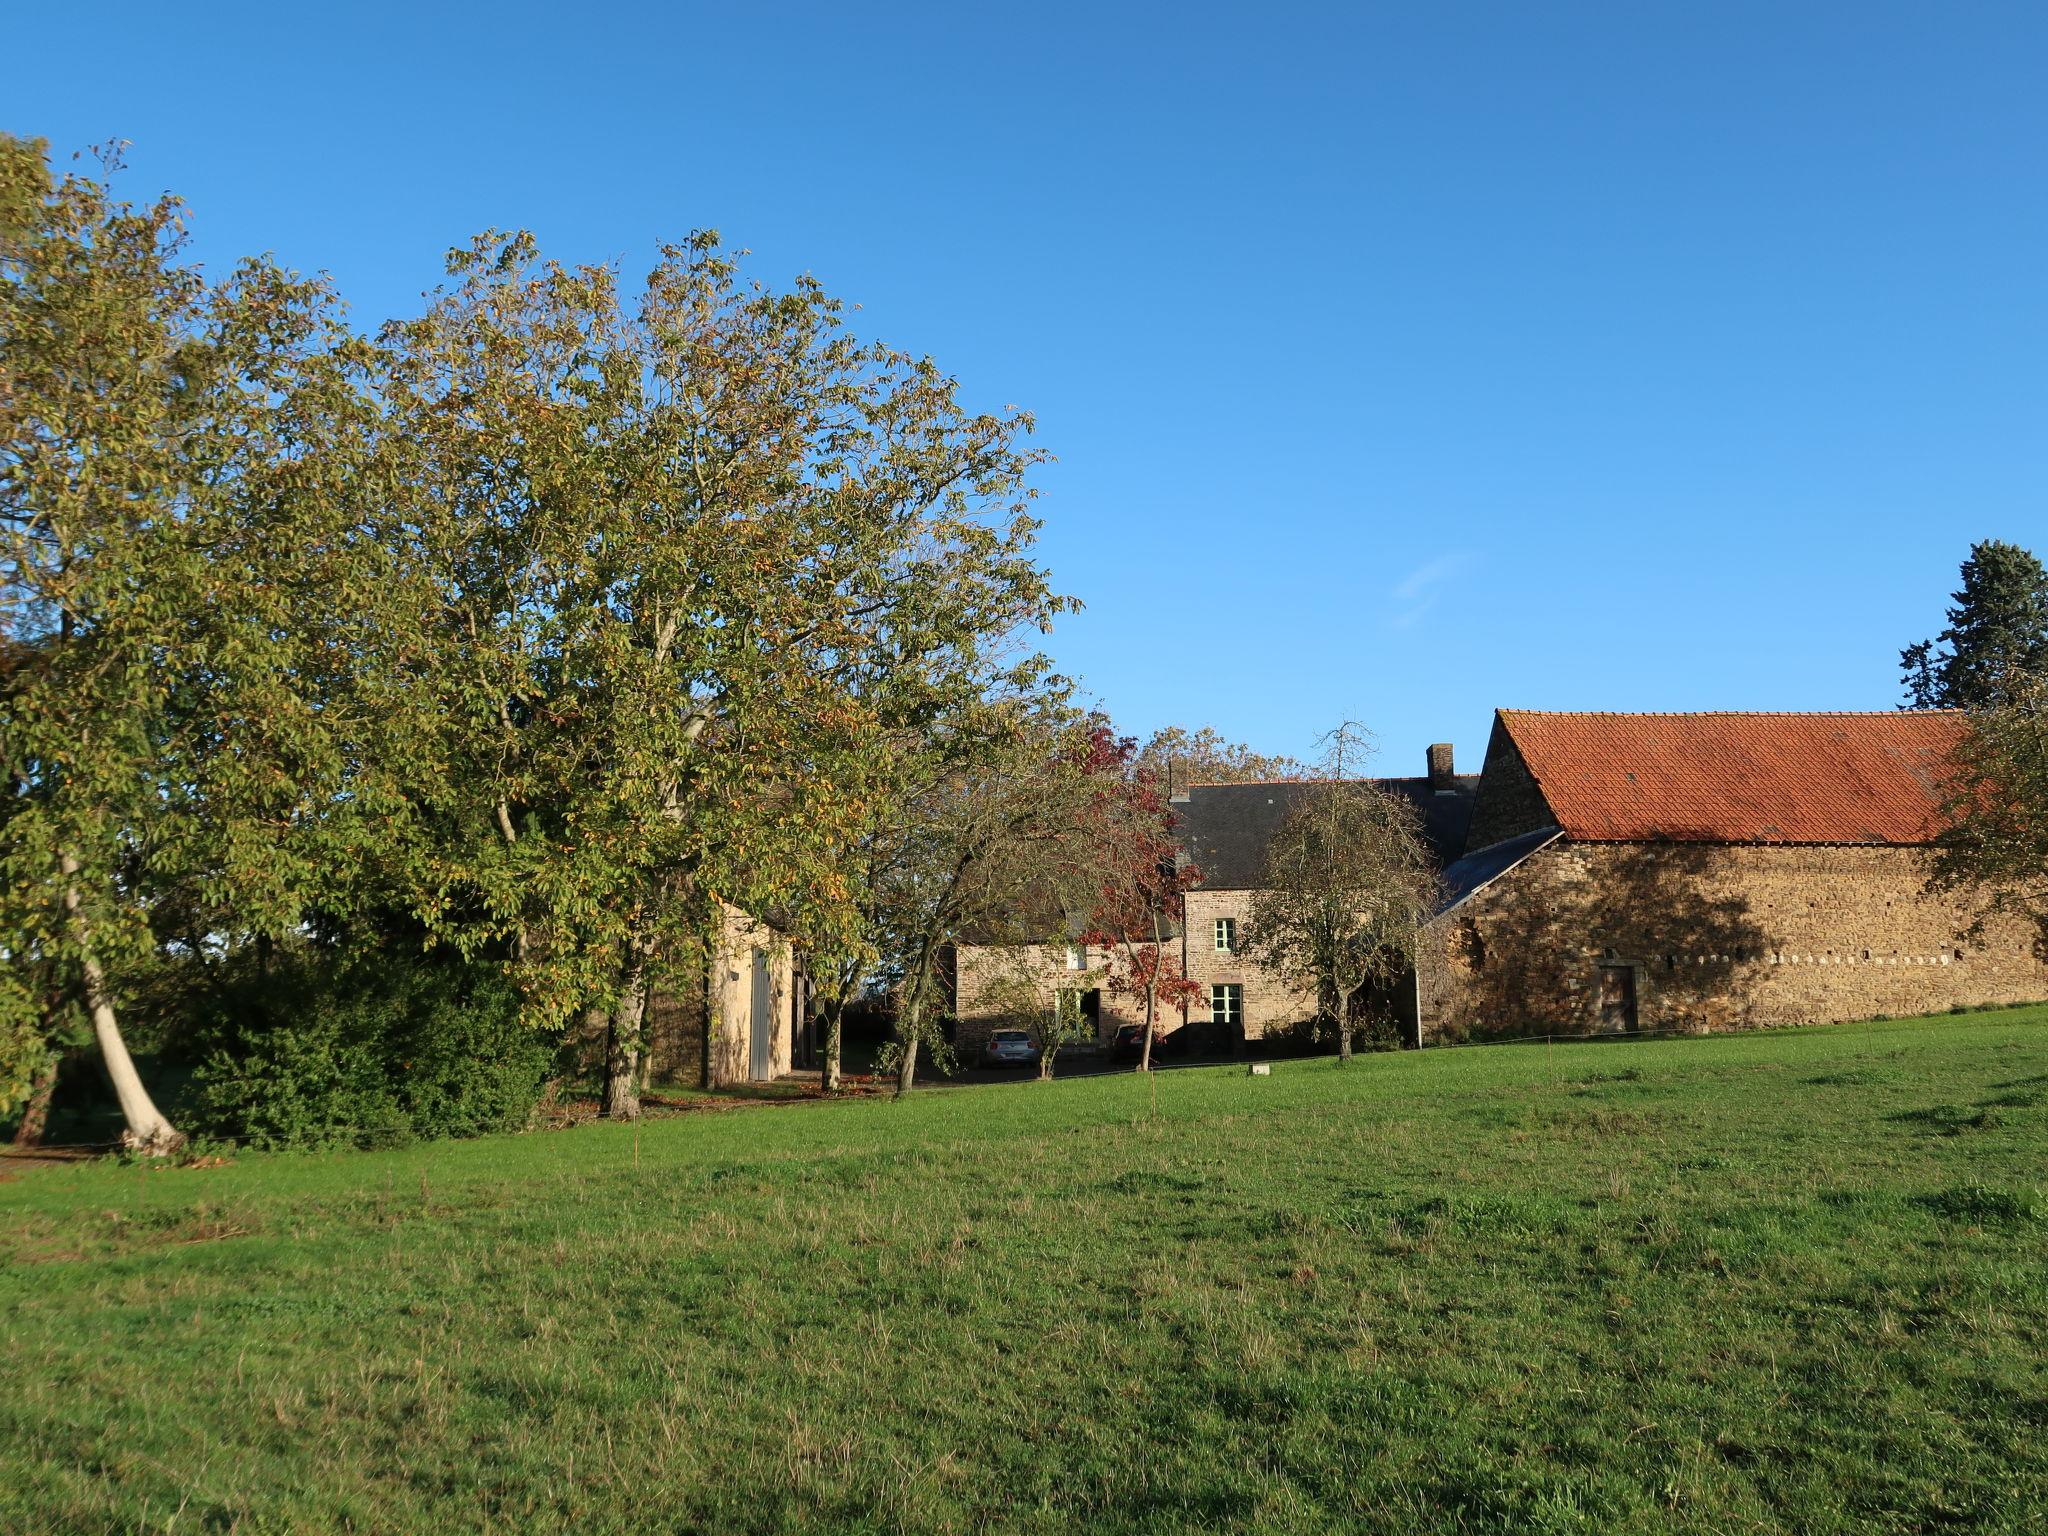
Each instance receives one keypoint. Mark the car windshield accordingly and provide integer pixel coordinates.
(1011, 1037)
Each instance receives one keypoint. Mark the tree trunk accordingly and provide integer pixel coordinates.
(1343, 1027)
(622, 1050)
(1151, 1008)
(148, 1131)
(35, 1115)
(835, 1011)
(907, 1033)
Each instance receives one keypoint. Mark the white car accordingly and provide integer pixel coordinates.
(1009, 1048)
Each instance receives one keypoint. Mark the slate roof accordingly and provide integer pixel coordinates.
(1464, 876)
(1741, 778)
(1225, 827)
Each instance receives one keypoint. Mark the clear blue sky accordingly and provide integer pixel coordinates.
(1402, 360)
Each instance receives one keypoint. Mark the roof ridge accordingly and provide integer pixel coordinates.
(1732, 714)
(1268, 783)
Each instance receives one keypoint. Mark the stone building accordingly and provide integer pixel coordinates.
(1609, 873)
(1707, 871)
(744, 1018)
(1223, 829)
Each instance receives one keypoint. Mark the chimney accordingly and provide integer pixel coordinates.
(1442, 773)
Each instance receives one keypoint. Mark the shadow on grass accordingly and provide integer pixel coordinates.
(1975, 1205)
(1954, 1119)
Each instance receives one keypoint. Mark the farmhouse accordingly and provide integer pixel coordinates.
(1604, 873)
(1223, 829)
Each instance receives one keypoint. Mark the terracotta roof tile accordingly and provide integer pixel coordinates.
(1741, 778)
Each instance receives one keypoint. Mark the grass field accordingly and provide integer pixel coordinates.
(1788, 1282)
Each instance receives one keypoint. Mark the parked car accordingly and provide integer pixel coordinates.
(1129, 1044)
(1009, 1048)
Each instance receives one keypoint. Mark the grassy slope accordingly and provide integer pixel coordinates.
(1784, 1282)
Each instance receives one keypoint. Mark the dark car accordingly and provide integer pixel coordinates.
(1129, 1044)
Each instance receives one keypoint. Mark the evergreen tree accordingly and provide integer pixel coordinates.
(1997, 635)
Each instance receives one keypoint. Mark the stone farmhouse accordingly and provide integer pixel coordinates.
(1610, 873)
(1223, 829)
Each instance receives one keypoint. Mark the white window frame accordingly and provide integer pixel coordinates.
(1226, 1003)
(1226, 935)
(1077, 957)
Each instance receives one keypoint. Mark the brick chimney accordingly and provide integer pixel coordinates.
(1442, 771)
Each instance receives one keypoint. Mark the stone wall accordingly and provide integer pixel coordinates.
(1714, 937)
(675, 1037)
(1013, 986)
(1270, 1004)
(1509, 802)
(731, 988)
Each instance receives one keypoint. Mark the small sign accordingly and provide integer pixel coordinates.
(1260, 1069)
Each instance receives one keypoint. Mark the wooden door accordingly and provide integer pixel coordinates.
(1617, 999)
(762, 1023)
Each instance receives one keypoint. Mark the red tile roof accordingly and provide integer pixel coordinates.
(1741, 778)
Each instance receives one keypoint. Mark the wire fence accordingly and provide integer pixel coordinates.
(1591, 1034)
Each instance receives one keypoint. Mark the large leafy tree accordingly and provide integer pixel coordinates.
(682, 571)
(1349, 882)
(168, 461)
(1175, 757)
(1997, 839)
(1997, 634)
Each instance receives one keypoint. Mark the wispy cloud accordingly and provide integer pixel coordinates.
(1416, 593)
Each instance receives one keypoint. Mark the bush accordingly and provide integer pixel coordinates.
(315, 1055)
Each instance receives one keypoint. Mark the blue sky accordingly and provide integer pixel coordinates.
(1402, 361)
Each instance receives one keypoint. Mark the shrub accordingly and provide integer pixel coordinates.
(312, 1054)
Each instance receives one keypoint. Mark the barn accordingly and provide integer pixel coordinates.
(1708, 871)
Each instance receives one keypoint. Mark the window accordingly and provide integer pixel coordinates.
(1077, 957)
(1226, 935)
(1226, 1004)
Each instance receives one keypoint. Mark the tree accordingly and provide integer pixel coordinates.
(1997, 809)
(167, 479)
(1012, 995)
(661, 554)
(1148, 973)
(1176, 757)
(990, 827)
(1997, 634)
(1141, 880)
(1349, 883)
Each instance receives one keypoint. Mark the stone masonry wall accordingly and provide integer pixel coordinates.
(1270, 1004)
(1510, 801)
(1012, 986)
(1717, 937)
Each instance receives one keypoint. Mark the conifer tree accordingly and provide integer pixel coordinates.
(1997, 634)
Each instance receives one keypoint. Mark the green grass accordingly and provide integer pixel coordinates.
(1788, 1282)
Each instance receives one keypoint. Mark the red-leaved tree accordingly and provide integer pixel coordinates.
(1141, 881)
